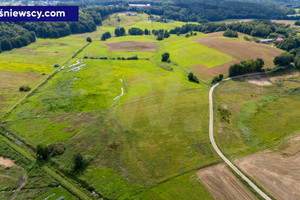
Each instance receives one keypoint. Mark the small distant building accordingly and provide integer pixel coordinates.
(266, 41)
(279, 39)
(139, 5)
(131, 14)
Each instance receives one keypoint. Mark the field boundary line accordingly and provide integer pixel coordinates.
(212, 139)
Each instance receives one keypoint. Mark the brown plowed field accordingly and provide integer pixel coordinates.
(240, 50)
(222, 183)
(277, 172)
(131, 46)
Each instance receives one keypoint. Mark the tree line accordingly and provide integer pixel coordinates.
(86, 23)
(14, 36)
(202, 10)
(256, 28)
(292, 55)
(247, 66)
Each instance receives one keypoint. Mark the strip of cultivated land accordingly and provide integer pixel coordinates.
(223, 184)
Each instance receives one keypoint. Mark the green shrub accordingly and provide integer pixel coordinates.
(56, 149)
(25, 88)
(193, 78)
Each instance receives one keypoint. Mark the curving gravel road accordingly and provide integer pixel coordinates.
(212, 140)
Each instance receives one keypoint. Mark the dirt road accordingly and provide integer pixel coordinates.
(212, 140)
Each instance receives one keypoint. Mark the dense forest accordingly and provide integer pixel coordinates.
(86, 23)
(202, 10)
(14, 36)
(292, 46)
(94, 11)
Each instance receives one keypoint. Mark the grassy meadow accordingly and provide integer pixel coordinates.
(265, 115)
(31, 65)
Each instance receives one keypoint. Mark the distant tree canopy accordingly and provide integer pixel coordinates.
(135, 31)
(105, 36)
(289, 44)
(230, 33)
(216, 10)
(198, 10)
(86, 23)
(245, 67)
(283, 59)
(14, 36)
(256, 28)
(120, 32)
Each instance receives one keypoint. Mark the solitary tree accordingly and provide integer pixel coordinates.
(89, 39)
(165, 57)
(78, 161)
(193, 78)
(42, 151)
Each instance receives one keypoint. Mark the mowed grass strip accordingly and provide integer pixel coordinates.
(99, 49)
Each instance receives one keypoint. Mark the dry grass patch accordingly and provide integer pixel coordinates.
(222, 183)
(261, 80)
(277, 172)
(6, 162)
(131, 46)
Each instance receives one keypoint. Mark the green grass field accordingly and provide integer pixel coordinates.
(26, 65)
(264, 117)
(141, 124)
(69, 108)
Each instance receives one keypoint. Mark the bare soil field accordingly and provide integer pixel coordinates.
(208, 73)
(222, 183)
(131, 46)
(261, 80)
(236, 49)
(6, 162)
(238, 21)
(277, 172)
